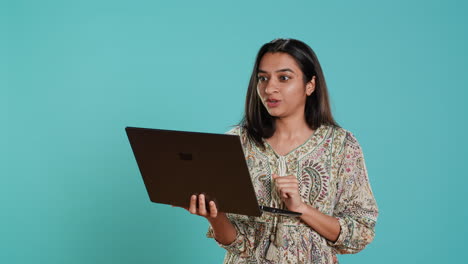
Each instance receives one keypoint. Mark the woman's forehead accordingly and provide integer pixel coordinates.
(278, 61)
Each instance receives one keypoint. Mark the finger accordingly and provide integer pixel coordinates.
(193, 206)
(285, 195)
(289, 191)
(287, 185)
(287, 177)
(201, 205)
(213, 209)
(284, 179)
(280, 186)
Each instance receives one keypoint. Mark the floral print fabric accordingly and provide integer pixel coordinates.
(332, 177)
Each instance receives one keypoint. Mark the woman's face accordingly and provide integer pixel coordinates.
(281, 86)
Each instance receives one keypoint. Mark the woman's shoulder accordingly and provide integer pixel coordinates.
(240, 131)
(342, 138)
(234, 130)
(337, 131)
(347, 137)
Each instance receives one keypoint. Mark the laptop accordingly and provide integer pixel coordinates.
(177, 164)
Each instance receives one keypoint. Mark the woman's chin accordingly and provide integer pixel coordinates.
(275, 114)
(272, 112)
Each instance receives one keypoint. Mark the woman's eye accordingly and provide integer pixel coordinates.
(261, 78)
(284, 78)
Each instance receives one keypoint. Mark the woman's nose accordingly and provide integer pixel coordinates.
(271, 87)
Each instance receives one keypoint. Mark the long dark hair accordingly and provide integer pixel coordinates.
(257, 121)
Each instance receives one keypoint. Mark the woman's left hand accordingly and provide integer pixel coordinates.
(288, 189)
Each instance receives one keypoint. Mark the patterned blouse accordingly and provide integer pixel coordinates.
(332, 177)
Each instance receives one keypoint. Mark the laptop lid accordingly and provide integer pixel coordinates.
(176, 164)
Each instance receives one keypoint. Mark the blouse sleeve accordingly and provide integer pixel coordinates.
(355, 207)
(242, 245)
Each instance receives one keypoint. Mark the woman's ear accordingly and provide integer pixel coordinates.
(310, 86)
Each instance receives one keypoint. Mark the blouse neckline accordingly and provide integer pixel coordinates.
(311, 137)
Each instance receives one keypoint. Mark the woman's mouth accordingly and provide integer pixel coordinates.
(273, 102)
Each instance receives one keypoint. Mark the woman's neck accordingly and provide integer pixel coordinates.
(291, 128)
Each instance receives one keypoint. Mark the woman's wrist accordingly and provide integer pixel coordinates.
(301, 208)
(327, 226)
(220, 218)
(224, 230)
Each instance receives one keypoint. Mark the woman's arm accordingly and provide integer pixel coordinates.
(355, 209)
(288, 188)
(355, 205)
(224, 231)
(227, 234)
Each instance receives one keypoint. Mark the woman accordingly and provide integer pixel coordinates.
(299, 159)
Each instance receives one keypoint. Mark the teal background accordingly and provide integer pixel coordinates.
(75, 73)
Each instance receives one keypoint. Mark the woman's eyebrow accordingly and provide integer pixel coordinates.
(280, 70)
